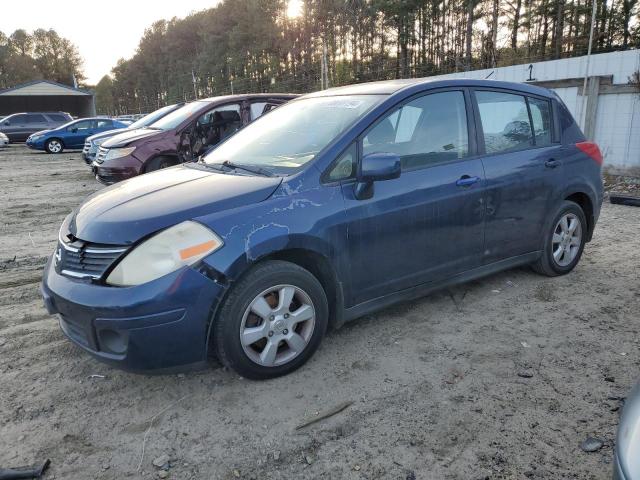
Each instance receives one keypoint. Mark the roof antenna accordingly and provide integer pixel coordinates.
(490, 73)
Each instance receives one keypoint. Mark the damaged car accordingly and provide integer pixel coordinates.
(301, 221)
(181, 136)
(92, 143)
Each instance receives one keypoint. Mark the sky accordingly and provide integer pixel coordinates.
(103, 31)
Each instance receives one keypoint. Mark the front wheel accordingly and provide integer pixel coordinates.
(54, 145)
(272, 321)
(564, 241)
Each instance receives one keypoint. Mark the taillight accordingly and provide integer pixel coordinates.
(591, 149)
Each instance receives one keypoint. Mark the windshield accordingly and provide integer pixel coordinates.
(178, 116)
(152, 117)
(293, 134)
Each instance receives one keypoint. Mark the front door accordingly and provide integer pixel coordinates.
(427, 224)
(78, 132)
(521, 169)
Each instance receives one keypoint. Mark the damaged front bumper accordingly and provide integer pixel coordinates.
(160, 325)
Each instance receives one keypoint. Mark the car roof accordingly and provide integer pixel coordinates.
(389, 87)
(248, 96)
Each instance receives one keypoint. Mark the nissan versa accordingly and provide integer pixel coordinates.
(331, 206)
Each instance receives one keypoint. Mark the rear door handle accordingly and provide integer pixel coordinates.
(467, 181)
(552, 163)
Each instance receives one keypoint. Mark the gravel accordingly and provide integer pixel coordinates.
(432, 381)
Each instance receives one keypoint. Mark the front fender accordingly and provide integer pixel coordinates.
(311, 220)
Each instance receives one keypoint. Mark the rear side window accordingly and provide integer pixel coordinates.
(541, 117)
(105, 123)
(428, 130)
(56, 117)
(505, 121)
(35, 118)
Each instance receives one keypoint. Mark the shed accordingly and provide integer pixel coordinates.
(47, 96)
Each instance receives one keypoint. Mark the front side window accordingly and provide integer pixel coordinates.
(81, 125)
(105, 123)
(541, 116)
(214, 126)
(17, 120)
(428, 130)
(344, 167)
(505, 122)
(294, 133)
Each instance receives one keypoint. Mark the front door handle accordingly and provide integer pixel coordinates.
(552, 163)
(467, 181)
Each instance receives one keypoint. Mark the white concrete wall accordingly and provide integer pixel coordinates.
(618, 116)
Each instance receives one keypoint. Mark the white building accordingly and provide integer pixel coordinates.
(611, 106)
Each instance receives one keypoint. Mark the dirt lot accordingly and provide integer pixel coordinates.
(439, 386)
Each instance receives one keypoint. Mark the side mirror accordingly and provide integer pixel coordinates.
(7, 123)
(375, 168)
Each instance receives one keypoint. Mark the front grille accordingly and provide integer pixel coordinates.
(87, 147)
(75, 331)
(80, 259)
(102, 152)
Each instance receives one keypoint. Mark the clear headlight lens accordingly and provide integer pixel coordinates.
(119, 152)
(181, 245)
(99, 141)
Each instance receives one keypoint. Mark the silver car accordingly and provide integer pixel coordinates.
(627, 456)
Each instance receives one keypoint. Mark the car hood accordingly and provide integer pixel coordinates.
(41, 132)
(125, 212)
(107, 134)
(125, 137)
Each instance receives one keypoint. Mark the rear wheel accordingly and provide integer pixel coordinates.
(159, 163)
(54, 145)
(564, 241)
(272, 321)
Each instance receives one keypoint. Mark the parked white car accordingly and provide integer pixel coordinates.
(4, 140)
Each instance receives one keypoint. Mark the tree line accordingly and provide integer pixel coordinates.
(42, 54)
(252, 45)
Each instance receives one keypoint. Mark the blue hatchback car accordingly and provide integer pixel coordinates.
(330, 207)
(71, 135)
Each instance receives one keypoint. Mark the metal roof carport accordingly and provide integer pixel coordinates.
(46, 96)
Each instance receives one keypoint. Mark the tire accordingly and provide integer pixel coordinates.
(54, 145)
(159, 163)
(276, 330)
(563, 238)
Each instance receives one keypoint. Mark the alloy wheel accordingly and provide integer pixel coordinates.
(567, 239)
(277, 325)
(55, 146)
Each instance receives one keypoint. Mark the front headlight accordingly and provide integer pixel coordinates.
(100, 141)
(119, 152)
(178, 246)
(35, 138)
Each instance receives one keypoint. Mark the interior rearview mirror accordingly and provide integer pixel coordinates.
(375, 168)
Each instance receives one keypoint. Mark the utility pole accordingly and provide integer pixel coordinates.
(324, 80)
(583, 113)
(195, 88)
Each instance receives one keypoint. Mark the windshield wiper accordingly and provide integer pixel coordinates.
(256, 170)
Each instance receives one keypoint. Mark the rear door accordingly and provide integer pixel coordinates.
(522, 164)
(36, 122)
(427, 224)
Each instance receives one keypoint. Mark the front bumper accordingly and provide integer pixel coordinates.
(160, 325)
(39, 145)
(116, 170)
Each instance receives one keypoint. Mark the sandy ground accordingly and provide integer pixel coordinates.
(439, 386)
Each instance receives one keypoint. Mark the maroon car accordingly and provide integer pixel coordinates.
(181, 136)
